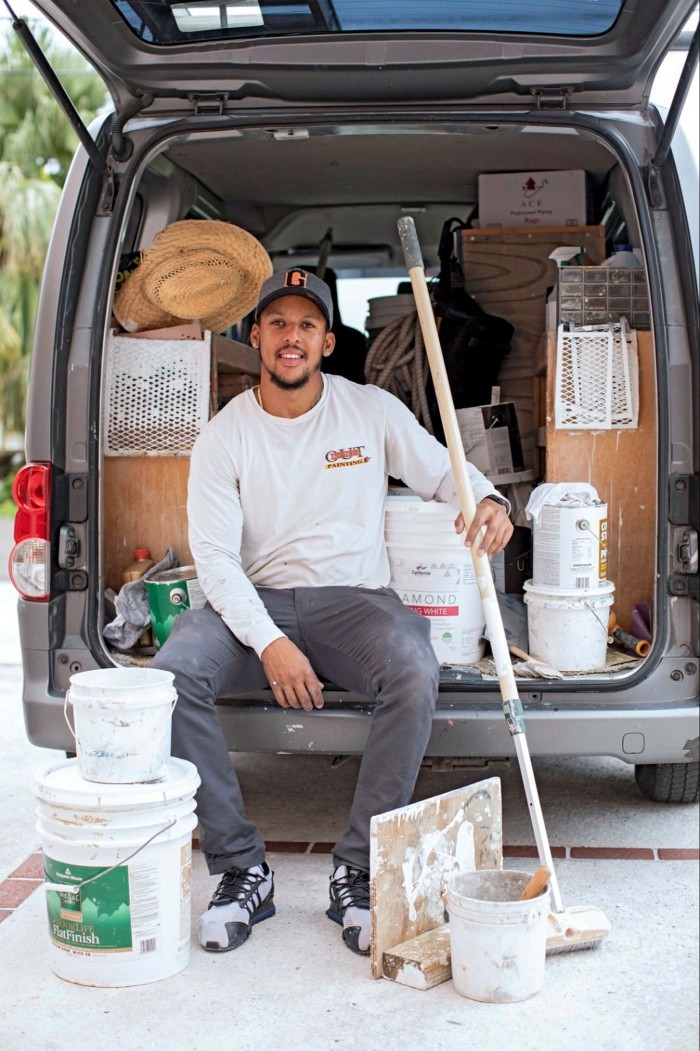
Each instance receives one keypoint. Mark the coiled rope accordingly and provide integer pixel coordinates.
(397, 362)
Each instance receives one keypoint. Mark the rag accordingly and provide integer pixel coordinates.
(133, 611)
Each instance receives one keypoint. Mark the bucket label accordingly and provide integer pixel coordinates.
(98, 917)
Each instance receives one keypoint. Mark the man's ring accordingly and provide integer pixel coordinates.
(274, 684)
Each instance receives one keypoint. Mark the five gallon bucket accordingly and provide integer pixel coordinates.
(124, 855)
(497, 942)
(122, 723)
(432, 572)
(569, 630)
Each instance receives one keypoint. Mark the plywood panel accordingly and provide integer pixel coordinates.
(508, 272)
(622, 467)
(414, 849)
(145, 505)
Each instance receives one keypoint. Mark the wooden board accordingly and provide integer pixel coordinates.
(421, 962)
(145, 505)
(414, 849)
(621, 464)
(508, 272)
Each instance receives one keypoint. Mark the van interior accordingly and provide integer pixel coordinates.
(333, 194)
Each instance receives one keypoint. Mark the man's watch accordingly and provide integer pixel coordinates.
(498, 500)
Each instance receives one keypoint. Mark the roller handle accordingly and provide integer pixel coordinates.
(538, 881)
(409, 243)
(639, 646)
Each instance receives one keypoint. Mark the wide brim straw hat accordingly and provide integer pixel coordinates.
(198, 269)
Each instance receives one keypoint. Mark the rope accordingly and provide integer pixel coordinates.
(397, 362)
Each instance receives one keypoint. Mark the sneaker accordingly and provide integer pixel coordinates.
(349, 890)
(243, 897)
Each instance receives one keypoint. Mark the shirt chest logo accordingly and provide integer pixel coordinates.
(353, 456)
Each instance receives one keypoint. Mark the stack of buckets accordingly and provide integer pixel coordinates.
(569, 597)
(116, 831)
(432, 572)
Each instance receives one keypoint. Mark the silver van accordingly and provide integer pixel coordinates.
(315, 126)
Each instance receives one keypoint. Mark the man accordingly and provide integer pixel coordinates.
(286, 508)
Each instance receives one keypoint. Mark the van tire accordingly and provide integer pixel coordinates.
(668, 782)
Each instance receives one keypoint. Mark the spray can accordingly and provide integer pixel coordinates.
(141, 564)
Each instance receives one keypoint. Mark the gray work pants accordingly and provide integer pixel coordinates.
(363, 640)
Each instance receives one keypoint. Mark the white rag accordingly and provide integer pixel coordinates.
(561, 494)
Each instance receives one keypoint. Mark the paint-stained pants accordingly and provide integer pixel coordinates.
(363, 640)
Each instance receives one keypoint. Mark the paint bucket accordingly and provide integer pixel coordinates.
(124, 855)
(569, 630)
(570, 547)
(171, 592)
(497, 942)
(122, 723)
(432, 572)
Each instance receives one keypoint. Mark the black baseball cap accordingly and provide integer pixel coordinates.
(297, 282)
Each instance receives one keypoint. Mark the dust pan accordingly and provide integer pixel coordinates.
(582, 927)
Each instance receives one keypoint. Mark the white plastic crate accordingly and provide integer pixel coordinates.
(597, 378)
(156, 395)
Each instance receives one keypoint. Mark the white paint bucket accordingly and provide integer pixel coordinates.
(570, 547)
(432, 572)
(122, 723)
(497, 942)
(569, 630)
(124, 853)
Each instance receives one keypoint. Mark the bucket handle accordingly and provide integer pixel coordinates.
(72, 729)
(67, 888)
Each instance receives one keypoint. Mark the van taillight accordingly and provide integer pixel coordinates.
(30, 557)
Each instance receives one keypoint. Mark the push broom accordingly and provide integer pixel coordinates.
(579, 927)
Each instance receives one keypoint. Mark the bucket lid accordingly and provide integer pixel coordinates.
(61, 783)
(602, 590)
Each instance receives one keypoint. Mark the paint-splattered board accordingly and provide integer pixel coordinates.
(414, 849)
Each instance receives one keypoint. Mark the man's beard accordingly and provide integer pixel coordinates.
(296, 384)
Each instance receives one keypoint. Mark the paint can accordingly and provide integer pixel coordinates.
(432, 572)
(569, 630)
(118, 870)
(497, 942)
(570, 547)
(122, 723)
(171, 592)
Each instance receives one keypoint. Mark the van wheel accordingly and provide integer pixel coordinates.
(668, 782)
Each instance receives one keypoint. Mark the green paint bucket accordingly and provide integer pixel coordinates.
(169, 593)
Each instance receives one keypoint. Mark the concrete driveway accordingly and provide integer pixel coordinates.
(295, 986)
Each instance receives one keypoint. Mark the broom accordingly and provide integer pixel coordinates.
(580, 927)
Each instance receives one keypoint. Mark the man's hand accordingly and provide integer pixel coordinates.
(493, 519)
(293, 680)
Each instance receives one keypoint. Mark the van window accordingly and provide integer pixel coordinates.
(174, 22)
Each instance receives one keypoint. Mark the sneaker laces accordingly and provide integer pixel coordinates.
(238, 885)
(352, 888)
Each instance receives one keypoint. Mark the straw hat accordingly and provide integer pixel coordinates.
(197, 269)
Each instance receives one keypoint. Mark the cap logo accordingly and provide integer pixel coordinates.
(296, 277)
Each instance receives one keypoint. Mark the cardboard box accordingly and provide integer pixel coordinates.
(556, 198)
(491, 439)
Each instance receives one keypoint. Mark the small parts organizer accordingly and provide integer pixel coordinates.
(597, 378)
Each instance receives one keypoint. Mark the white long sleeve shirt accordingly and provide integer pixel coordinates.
(287, 503)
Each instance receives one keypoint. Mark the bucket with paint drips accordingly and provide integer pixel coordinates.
(497, 942)
(122, 722)
(118, 868)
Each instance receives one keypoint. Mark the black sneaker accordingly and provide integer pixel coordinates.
(243, 897)
(349, 890)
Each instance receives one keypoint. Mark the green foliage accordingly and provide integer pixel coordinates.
(36, 147)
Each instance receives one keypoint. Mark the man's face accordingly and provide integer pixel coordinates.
(292, 336)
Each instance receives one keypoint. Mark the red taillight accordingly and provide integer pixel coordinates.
(30, 557)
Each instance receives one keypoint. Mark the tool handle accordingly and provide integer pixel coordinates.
(517, 652)
(536, 884)
(639, 646)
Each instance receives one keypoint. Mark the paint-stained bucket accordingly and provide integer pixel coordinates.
(497, 942)
(122, 722)
(569, 630)
(171, 592)
(432, 572)
(123, 853)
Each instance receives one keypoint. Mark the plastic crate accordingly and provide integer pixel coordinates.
(597, 378)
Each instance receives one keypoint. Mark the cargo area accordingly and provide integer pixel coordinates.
(520, 192)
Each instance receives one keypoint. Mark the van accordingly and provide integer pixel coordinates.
(314, 127)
